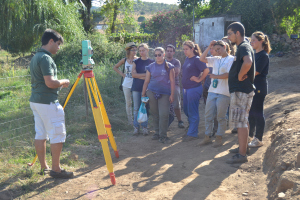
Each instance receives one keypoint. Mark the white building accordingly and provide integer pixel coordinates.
(213, 28)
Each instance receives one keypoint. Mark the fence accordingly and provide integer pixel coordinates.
(16, 118)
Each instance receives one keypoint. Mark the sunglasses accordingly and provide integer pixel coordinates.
(157, 55)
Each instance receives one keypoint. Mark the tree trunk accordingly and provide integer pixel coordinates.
(113, 25)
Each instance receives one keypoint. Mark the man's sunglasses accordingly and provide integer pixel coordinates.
(155, 55)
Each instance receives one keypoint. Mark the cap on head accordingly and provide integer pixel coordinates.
(130, 45)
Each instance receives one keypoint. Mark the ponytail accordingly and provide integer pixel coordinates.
(197, 51)
(227, 48)
(266, 45)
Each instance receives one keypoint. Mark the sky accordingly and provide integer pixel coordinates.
(163, 1)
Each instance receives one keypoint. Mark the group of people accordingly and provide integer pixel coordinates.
(232, 81)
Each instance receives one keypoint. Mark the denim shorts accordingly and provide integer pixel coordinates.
(240, 104)
(49, 122)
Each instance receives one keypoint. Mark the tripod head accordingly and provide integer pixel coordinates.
(87, 52)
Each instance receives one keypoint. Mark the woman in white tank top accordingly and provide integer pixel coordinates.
(127, 83)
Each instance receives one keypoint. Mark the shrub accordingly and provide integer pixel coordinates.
(131, 37)
(104, 51)
(141, 18)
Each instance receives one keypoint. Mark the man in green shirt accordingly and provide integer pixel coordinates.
(48, 113)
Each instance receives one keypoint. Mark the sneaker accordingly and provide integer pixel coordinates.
(62, 174)
(218, 142)
(234, 131)
(180, 124)
(155, 136)
(236, 150)
(145, 131)
(205, 141)
(135, 131)
(188, 138)
(237, 158)
(255, 143)
(164, 140)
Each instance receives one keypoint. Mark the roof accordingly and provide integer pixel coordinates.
(221, 15)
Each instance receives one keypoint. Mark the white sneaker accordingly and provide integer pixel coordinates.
(145, 131)
(135, 131)
(255, 143)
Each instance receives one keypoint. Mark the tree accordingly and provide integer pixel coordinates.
(86, 15)
(256, 14)
(23, 21)
(112, 8)
(170, 27)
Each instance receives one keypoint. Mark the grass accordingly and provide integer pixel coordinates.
(17, 124)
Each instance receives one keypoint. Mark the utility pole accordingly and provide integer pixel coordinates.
(194, 22)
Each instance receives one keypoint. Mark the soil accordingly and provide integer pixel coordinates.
(148, 169)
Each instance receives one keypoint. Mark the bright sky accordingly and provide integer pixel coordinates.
(163, 1)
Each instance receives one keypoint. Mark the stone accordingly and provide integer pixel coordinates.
(287, 180)
(245, 194)
(281, 195)
(298, 160)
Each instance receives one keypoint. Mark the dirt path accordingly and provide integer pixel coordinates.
(148, 169)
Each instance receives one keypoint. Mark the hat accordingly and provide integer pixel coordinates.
(129, 45)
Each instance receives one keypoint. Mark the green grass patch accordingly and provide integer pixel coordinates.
(17, 124)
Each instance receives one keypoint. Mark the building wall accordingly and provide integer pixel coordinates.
(209, 29)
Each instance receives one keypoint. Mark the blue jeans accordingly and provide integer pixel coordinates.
(216, 104)
(136, 96)
(191, 98)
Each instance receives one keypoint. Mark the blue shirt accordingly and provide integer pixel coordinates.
(160, 78)
(176, 64)
(137, 84)
(191, 67)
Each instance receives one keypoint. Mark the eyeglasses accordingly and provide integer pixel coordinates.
(170, 51)
(157, 55)
(230, 33)
(133, 50)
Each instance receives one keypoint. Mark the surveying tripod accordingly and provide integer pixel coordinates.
(99, 113)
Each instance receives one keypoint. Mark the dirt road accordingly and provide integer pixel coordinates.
(148, 169)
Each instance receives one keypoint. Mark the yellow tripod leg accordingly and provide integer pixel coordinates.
(101, 131)
(106, 120)
(34, 160)
(72, 90)
(67, 99)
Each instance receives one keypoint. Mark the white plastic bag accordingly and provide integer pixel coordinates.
(142, 114)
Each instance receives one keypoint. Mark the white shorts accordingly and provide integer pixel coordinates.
(49, 122)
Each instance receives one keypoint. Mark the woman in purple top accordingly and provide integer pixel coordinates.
(193, 73)
(160, 82)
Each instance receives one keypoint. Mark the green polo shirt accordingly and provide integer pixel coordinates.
(42, 65)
